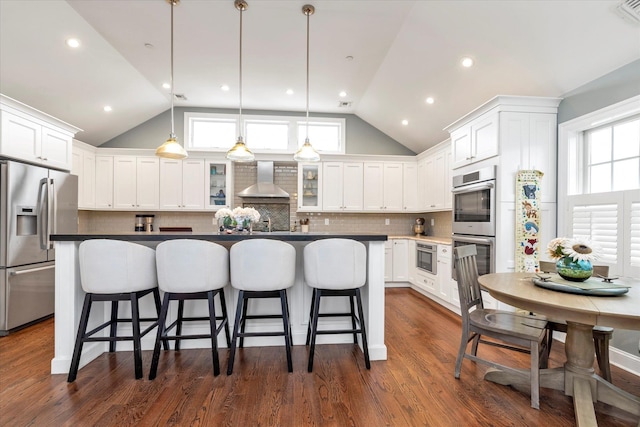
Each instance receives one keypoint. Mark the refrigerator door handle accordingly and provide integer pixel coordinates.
(31, 270)
(43, 213)
(53, 209)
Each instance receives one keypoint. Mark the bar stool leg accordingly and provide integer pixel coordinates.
(82, 329)
(179, 323)
(287, 329)
(365, 346)
(225, 317)
(286, 302)
(313, 302)
(135, 322)
(353, 320)
(243, 321)
(162, 319)
(114, 325)
(314, 328)
(156, 300)
(214, 335)
(236, 327)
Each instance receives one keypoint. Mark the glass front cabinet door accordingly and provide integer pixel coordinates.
(219, 191)
(309, 190)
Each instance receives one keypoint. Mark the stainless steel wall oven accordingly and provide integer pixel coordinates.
(427, 257)
(474, 203)
(486, 258)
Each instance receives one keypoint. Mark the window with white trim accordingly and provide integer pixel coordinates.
(599, 189)
(263, 134)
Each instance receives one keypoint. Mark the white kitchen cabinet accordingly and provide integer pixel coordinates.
(447, 287)
(218, 184)
(182, 184)
(411, 260)
(447, 181)
(475, 141)
(84, 167)
(388, 261)
(342, 186)
(383, 189)
(435, 181)
(426, 282)
(410, 187)
(136, 182)
(400, 260)
(309, 187)
(35, 141)
(104, 182)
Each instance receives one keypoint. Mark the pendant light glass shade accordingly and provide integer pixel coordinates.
(307, 153)
(171, 149)
(240, 152)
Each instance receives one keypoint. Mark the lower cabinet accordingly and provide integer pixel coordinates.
(440, 287)
(396, 262)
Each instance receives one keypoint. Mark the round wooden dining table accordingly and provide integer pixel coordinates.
(581, 312)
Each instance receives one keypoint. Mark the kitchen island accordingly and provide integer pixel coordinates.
(69, 296)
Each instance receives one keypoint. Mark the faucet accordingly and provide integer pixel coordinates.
(268, 221)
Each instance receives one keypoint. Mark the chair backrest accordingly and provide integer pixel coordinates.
(262, 265)
(598, 270)
(335, 264)
(467, 275)
(114, 266)
(186, 265)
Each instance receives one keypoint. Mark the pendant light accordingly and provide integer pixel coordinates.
(239, 152)
(171, 149)
(306, 153)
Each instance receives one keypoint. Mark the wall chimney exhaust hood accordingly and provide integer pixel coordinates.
(264, 187)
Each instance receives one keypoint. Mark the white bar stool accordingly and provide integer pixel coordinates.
(112, 270)
(191, 270)
(261, 268)
(336, 267)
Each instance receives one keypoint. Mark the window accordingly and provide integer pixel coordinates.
(613, 156)
(599, 190)
(263, 134)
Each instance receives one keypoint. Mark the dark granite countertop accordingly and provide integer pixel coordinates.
(133, 236)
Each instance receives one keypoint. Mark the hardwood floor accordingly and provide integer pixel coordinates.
(415, 386)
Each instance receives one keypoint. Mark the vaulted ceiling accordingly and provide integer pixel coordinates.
(388, 56)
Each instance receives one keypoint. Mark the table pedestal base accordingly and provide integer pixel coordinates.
(576, 379)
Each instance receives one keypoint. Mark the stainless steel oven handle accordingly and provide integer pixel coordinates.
(31, 270)
(474, 187)
(485, 240)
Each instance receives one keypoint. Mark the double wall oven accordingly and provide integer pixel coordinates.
(474, 215)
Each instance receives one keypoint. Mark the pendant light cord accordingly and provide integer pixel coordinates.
(308, 14)
(173, 135)
(240, 75)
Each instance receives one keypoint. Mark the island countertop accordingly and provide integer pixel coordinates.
(215, 236)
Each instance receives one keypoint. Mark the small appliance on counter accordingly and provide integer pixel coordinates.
(419, 227)
(144, 222)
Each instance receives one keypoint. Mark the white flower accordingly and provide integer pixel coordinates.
(555, 248)
(224, 213)
(580, 250)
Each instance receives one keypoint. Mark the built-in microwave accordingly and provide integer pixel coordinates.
(426, 258)
(485, 247)
(474, 203)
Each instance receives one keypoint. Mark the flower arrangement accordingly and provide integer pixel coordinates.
(573, 258)
(576, 249)
(242, 217)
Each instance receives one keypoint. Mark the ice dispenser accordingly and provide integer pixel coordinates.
(27, 221)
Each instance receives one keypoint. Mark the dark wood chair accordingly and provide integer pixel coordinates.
(601, 334)
(515, 331)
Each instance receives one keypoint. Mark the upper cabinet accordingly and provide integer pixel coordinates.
(475, 141)
(104, 182)
(182, 184)
(136, 183)
(32, 136)
(218, 184)
(383, 190)
(342, 186)
(84, 167)
(309, 187)
(410, 187)
(434, 179)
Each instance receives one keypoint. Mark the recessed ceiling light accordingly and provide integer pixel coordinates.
(107, 108)
(342, 94)
(149, 46)
(224, 88)
(166, 85)
(430, 100)
(466, 62)
(289, 91)
(349, 58)
(74, 43)
(405, 122)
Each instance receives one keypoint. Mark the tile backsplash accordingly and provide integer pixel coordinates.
(285, 176)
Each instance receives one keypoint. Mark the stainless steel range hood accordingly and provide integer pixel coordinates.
(265, 187)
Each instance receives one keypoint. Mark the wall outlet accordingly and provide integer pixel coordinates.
(386, 221)
(326, 221)
(433, 222)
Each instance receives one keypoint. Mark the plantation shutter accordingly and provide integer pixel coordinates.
(632, 233)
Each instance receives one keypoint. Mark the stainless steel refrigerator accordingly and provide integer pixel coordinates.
(35, 202)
